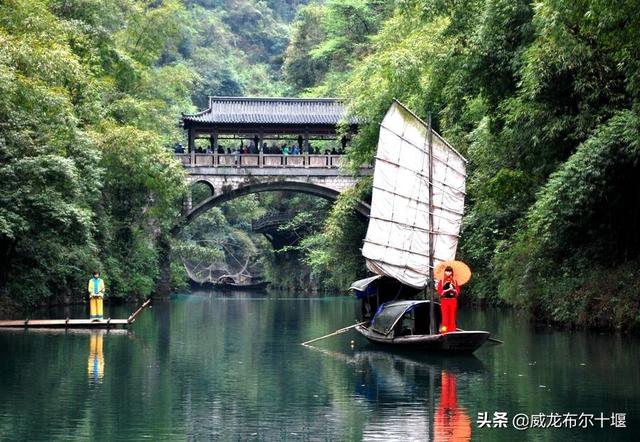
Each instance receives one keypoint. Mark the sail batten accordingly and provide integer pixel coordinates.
(397, 240)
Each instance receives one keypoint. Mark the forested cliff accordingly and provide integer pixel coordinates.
(90, 96)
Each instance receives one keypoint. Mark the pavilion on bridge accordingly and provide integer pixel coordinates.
(262, 124)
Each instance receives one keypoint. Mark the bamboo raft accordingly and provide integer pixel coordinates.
(75, 323)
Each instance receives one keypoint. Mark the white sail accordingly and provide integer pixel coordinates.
(397, 240)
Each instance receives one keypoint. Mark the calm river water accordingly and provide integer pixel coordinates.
(219, 367)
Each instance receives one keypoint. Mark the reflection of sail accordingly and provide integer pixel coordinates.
(451, 422)
(95, 365)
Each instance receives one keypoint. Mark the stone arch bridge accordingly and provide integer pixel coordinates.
(318, 175)
(239, 145)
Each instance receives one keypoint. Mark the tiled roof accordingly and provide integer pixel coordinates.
(245, 110)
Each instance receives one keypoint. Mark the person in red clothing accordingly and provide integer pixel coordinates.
(448, 289)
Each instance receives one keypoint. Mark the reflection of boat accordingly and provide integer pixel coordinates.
(229, 283)
(412, 381)
(416, 213)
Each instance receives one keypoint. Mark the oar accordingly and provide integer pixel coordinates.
(337, 332)
(132, 318)
(497, 341)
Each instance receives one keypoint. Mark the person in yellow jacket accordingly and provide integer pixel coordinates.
(96, 295)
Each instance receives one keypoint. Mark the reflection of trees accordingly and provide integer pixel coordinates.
(207, 368)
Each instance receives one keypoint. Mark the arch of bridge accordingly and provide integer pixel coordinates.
(228, 190)
(222, 183)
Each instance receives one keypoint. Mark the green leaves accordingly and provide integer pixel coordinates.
(85, 121)
(542, 98)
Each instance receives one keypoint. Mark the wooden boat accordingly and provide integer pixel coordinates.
(75, 323)
(405, 324)
(416, 213)
(228, 285)
(252, 286)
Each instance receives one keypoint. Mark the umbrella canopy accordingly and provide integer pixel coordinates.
(461, 271)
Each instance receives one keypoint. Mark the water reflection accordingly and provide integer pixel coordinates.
(405, 388)
(95, 365)
(402, 389)
(232, 368)
(452, 422)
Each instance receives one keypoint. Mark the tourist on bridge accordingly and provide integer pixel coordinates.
(448, 289)
(285, 150)
(296, 150)
(96, 295)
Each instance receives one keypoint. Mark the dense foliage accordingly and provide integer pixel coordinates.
(90, 96)
(542, 98)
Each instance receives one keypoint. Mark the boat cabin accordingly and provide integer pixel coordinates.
(405, 318)
(377, 290)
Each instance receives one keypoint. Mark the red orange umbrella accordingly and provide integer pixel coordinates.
(461, 271)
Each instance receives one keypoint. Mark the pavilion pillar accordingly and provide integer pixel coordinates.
(192, 145)
(213, 141)
(305, 147)
(260, 152)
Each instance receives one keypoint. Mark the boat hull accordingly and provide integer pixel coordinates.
(453, 342)
(230, 286)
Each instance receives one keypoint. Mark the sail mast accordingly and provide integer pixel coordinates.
(430, 284)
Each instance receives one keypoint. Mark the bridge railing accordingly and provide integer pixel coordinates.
(259, 160)
(272, 219)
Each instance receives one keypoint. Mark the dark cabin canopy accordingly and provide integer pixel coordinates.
(268, 119)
